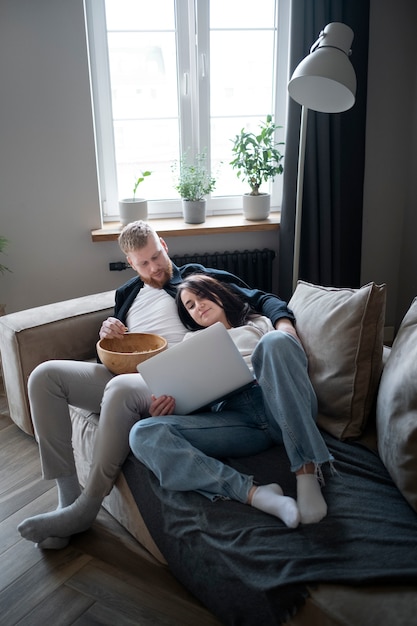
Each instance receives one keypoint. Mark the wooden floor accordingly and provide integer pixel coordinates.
(102, 577)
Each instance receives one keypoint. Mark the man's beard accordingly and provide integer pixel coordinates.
(159, 284)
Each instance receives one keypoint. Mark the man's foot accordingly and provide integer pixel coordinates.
(53, 543)
(61, 523)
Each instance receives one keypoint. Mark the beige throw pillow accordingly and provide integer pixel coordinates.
(396, 411)
(342, 333)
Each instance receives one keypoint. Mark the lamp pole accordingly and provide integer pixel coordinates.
(299, 197)
(323, 81)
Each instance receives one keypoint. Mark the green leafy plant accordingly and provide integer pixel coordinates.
(256, 157)
(140, 180)
(193, 181)
(3, 244)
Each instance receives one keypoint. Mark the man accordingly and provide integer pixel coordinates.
(145, 303)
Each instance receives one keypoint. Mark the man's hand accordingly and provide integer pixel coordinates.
(287, 326)
(164, 405)
(112, 328)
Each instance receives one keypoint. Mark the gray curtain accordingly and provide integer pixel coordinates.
(335, 155)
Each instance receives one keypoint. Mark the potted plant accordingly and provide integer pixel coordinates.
(257, 159)
(132, 209)
(193, 182)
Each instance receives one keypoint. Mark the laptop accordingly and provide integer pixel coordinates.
(199, 371)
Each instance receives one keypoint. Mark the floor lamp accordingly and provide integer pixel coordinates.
(324, 81)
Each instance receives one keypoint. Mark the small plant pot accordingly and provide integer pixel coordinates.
(256, 207)
(131, 210)
(194, 211)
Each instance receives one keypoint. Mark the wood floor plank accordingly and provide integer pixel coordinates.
(26, 592)
(17, 560)
(13, 463)
(9, 533)
(63, 606)
(21, 493)
(99, 615)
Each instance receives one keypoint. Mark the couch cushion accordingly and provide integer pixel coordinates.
(397, 409)
(342, 333)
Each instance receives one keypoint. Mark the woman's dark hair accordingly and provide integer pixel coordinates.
(236, 309)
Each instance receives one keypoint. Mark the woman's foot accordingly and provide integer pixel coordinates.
(270, 499)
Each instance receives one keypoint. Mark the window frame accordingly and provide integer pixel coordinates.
(193, 96)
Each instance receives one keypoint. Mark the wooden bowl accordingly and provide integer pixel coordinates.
(121, 356)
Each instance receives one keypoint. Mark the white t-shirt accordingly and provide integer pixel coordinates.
(154, 311)
(246, 337)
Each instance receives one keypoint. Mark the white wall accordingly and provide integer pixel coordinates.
(48, 183)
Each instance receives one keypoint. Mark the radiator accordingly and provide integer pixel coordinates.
(252, 266)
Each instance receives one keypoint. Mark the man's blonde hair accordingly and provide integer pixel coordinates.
(135, 236)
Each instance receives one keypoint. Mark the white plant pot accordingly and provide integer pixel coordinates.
(194, 211)
(256, 207)
(131, 210)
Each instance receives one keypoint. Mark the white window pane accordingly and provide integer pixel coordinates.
(143, 75)
(243, 83)
(140, 14)
(241, 13)
(146, 145)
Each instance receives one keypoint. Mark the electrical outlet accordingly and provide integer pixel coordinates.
(118, 266)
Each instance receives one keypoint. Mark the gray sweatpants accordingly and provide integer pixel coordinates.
(120, 400)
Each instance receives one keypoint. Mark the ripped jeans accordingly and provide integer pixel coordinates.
(184, 451)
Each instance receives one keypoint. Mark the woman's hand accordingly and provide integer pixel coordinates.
(112, 328)
(287, 326)
(164, 405)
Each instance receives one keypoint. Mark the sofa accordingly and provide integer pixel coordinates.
(359, 565)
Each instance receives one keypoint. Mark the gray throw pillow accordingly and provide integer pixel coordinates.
(341, 330)
(396, 411)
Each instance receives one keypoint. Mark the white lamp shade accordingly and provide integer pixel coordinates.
(325, 80)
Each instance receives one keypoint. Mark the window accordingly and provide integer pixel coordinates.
(182, 76)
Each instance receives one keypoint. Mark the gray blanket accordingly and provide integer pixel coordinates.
(248, 568)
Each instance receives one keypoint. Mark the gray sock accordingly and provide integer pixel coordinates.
(68, 490)
(65, 522)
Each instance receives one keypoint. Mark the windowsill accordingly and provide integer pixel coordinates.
(176, 227)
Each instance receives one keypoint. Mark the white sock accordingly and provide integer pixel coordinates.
(61, 523)
(310, 499)
(270, 499)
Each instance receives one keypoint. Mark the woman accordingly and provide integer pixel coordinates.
(183, 451)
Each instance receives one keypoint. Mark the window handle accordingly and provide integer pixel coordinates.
(185, 83)
(203, 65)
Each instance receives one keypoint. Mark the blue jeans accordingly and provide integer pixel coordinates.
(183, 451)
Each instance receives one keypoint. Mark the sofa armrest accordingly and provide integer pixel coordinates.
(63, 330)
